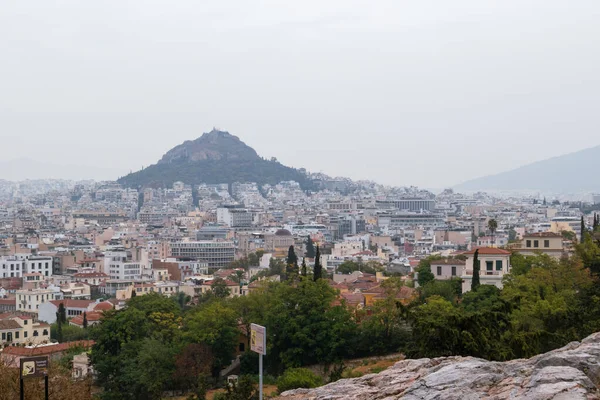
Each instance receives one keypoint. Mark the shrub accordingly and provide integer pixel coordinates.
(294, 378)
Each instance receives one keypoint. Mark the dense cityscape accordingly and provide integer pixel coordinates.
(75, 253)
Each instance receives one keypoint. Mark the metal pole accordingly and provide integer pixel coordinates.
(22, 392)
(46, 384)
(260, 377)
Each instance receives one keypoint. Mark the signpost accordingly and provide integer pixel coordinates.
(34, 367)
(258, 344)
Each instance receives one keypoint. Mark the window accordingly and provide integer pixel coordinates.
(25, 334)
(489, 265)
(528, 243)
(498, 265)
(453, 271)
(536, 243)
(546, 243)
(242, 347)
(25, 322)
(439, 270)
(17, 335)
(35, 333)
(45, 332)
(3, 335)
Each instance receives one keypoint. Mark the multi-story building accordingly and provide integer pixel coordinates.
(11, 267)
(234, 217)
(494, 263)
(39, 264)
(542, 243)
(276, 243)
(31, 299)
(409, 220)
(447, 269)
(21, 330)
(407, 204)
(217, 254)
(19, 264)
(120, 266)
(179, 270)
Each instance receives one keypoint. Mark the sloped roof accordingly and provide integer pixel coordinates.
(489, 251)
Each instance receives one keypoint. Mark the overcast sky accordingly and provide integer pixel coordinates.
(427, 93)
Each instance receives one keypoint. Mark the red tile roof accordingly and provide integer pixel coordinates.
(543, 234)
(490, 251)
(47, 350)
(70, 303)
(103, 306)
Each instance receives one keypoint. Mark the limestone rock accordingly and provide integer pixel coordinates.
(569, 373)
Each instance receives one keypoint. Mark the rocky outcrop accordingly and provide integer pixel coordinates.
(214, 145)
(569, 373)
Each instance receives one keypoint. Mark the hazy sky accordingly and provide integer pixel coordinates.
(427, 93)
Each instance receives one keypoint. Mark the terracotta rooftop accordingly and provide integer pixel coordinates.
(447, 262)
(542, 235)
(70, 303)
(47, 350)
(489, 251)
(6, 324)
(103, 306)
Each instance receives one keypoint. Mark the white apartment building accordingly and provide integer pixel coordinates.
(11, 267)
(19, 264)
(234, 217)
(217, 254)
(120, 267)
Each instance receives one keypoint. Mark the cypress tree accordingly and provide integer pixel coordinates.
(62, 314)
(582, 230)
(304, 269)
(310, 247)
(292, 258)
(318, 269)
(595, 226)
(475, 281)
(85, 321)
(291, 266)
(59, 334)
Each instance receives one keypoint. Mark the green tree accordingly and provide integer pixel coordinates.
(295, 378)
(291, 263)
(304, 326)
(424, 273)
(348, 267)
(122, 344)
(304, 270)
(244, 389)
(215, 324)
(493, 226)
(384, 328)
(583, 230)
(310, 247)
(318, 268)
(544, 301)
(61, 315)
(85, 321)
(435, 319)
(219, 288)
(476, 268)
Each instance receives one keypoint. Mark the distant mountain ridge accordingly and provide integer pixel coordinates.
(215, 157)
(569, 173)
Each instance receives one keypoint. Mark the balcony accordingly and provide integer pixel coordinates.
(469, 272)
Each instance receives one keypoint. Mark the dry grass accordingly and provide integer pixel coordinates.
(371, 367)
